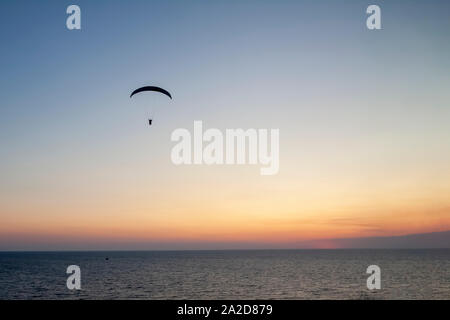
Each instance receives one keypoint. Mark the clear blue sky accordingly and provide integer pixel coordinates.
(69, 131)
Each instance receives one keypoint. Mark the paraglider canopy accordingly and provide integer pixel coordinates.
(151, 88)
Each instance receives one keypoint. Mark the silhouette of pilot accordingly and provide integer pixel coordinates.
(149, 122)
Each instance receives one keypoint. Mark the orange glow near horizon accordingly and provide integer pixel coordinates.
(281, 219)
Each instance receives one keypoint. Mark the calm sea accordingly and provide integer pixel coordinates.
(258, 274)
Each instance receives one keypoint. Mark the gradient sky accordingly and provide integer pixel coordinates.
(363, 117)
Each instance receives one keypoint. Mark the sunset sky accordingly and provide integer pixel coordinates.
(363, 117)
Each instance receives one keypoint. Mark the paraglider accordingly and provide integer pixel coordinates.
(152, 89)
